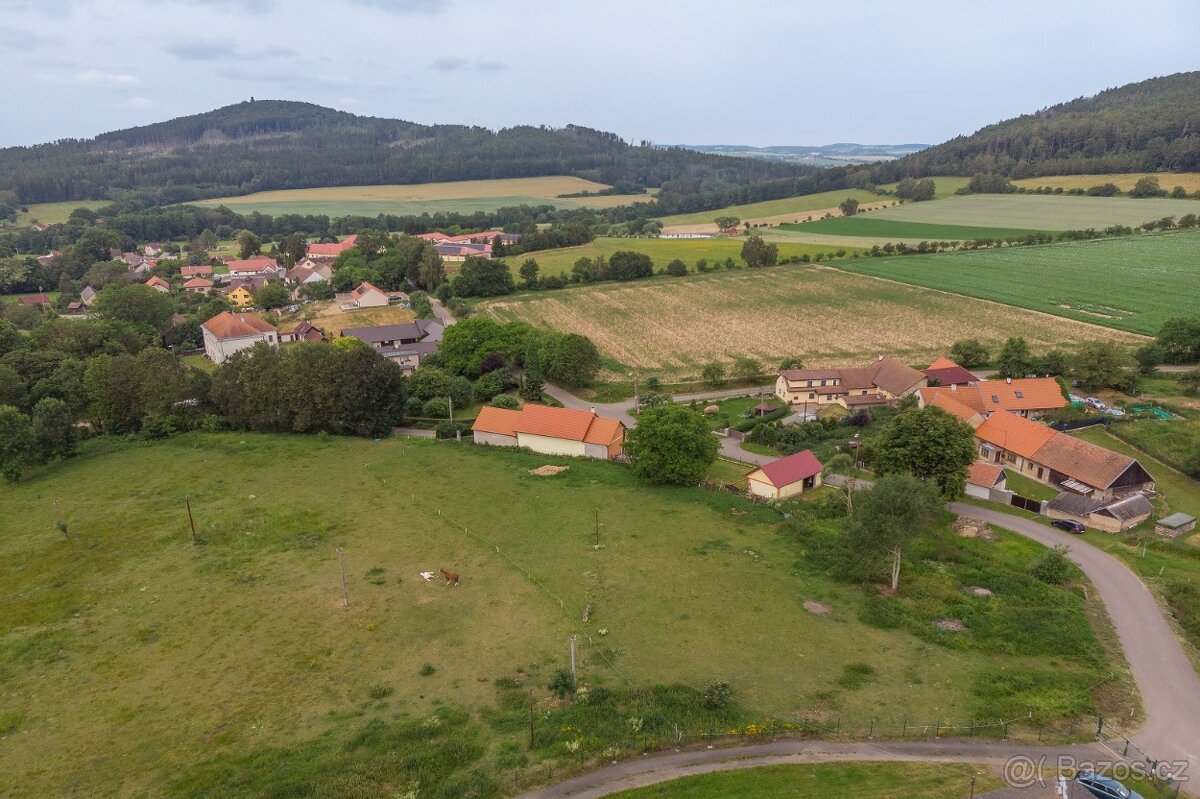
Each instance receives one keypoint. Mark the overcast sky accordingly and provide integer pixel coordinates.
(672, 71)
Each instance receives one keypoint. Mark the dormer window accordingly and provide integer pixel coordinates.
(996, 399)
(1020, 394)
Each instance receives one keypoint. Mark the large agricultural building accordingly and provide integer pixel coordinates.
(551, 431)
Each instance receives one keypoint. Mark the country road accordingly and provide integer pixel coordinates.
(1165, 677)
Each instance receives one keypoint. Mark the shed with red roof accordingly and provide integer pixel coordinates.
(786, 477)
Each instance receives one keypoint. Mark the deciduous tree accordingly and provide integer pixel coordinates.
(931, 445)
(671, 444)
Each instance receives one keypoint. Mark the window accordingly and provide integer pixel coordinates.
(1011, 458)
(1020, 394)
(996, 399)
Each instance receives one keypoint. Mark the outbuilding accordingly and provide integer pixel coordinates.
(1109, 515)
(1175, 525)
(786, 477)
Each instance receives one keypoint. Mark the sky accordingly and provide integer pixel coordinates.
(753, 72)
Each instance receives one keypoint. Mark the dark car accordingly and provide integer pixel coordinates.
(1104, 787)
(1071, 527)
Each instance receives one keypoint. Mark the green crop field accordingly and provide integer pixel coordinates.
(1130, 283)
(54, 213)
(828, 780)
(943, 185)
(135, 663)
(463, 197)
(777, 208)
(879, 228)
(662, 251)
(674, 325)
(1037, 211)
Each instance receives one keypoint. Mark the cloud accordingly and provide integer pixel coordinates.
(96, 77)
(455, 64)
(283, 78)
(405, 6)
(251, 6)
(22, 39)
(218, 50)
(136, 102)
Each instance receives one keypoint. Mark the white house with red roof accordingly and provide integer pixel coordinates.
(368, 295)
(258, 266)
(158, 284)
(786, 477)
(330, 252)
(550, 431)
(227, 333)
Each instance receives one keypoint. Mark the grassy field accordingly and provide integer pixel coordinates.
(872, 227)
(465, 197)
(1168, 180)
(1037, 211)
(943, 186)
(776, 208)
(662, 251)
(825, 780)
(1131, 283)
(673, 326)
(53, 213)
(134, 663)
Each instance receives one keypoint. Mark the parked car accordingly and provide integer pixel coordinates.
(1075, 528)
(1092, 402)
(1104, 787)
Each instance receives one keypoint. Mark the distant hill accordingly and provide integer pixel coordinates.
(838, 154)
(273, 144)
(1142, 127)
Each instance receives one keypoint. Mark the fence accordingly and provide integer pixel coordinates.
(1025, 503)
(1064, 427)
(1120, 744)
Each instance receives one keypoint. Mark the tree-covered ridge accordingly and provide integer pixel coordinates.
(270, 144)
(1141, 127)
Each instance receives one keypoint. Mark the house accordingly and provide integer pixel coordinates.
(158, 284)
(143, 270)
(366, 295)
(330, 252)
(40, 227)
(76, 307)
(240, 295)
(687, 235)
(1175, 525)
(227, 333)
(551, 431)
(945, 372)
(884, 381)
(786, 477)
(406, 344)
(132, 259)
(200, 270)
(302, 275)
(461, 251)
(303, 331)
(198, 285)
(1113, 515)
(152, 250)
(947, 402)
(1030, 397)
(259, 266)
(984, 478)
(88, 296)
(36, 299)
(1057, 459)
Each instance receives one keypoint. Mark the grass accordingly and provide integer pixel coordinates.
(1027, 486)
(55, 213)
(775, 209)
(1037, 211)
(661, 251)
(1126, 181)
(1180, 491)
(329, 316)
(201, 362)
(822, 780)
(1132, 283)
(673, 326)
(943, 186)
(233, 669)
(892, 229)
(463, 197)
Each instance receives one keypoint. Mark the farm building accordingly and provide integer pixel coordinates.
(551, 431)
(1110, 515)
(1030, 397)
(260, 266)
(330, 252)
(35, 299)
(984, 478)
(303, 331)
(226, 333)
(202, 270)
(88, 296)
(945, 372)
(1175, 525)
(1059, 460)
(786, 477)
(884, 380)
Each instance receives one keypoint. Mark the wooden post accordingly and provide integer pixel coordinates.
(972, 786)
(574, 680)
(531, 719)
(187, 500)
(342, 566)
(597, 528)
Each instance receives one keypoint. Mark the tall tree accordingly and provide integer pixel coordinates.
(248, 244)
(671, 444)
(931, 445)
(53, 428)
(529, 272)
(848, 206)
(757, 253)
(1014, 358)
(886, 518)
(16, 442)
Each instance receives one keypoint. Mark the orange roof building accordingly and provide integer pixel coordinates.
(1057, 459)
(552, 431)
(1028, 396)
(227, 333)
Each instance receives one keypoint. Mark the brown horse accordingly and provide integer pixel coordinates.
(451, 577)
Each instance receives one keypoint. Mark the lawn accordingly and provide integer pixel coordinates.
(135, 663)
(777, 209)
(661, 251)
(465, 197)
(826, 780)
(1132, 283)
(1027, 486)
(55, 213)
(876, 228)
(1037, 211)
(1168, 180)
(673, 326)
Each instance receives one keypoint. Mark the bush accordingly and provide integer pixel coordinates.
(717, 695)
(1053, 567)
(505, 401)
(562, 683)
(677, 268)
(489, 385)
(436, 408)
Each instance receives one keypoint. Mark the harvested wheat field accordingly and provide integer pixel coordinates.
(826, 316)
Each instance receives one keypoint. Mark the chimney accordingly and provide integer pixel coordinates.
(954, 386)
(593, 410)
(1008, 380)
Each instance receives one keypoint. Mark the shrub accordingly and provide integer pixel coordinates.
(505, 401)
(1053, 567)
(436, 408)
(562, 683)
(717, 695)
(427, 670)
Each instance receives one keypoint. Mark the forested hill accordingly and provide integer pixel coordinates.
(1141, 127)
(272, 144)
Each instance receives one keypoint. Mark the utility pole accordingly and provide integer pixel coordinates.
(597, 528)
(574, 680)
(637, 405)
(451, 399)
(187, 500)
(531, 719)
(342, 566)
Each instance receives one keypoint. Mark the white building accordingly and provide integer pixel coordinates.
(226, 333)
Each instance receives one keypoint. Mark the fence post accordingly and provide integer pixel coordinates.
(937, 728)
(872, 733)
(904, 733)
(1099, 725)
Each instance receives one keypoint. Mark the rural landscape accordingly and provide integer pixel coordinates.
(351, 456)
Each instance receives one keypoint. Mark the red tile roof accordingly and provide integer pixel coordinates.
(792, 469)
(951, 375)
(333, 249)
(543, 420)
(195, 271)
(947, 401)
(1083, 461)
(198, 283)
(1022, 394)
(499, 421)
(365, 287)
(602, 431)
(1015, 434)
(36, 299)
(236, 325)
(252, 265)
(984, 474)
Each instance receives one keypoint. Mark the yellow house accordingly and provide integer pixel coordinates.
(883, 381)
(240, 297)
(786, 477)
